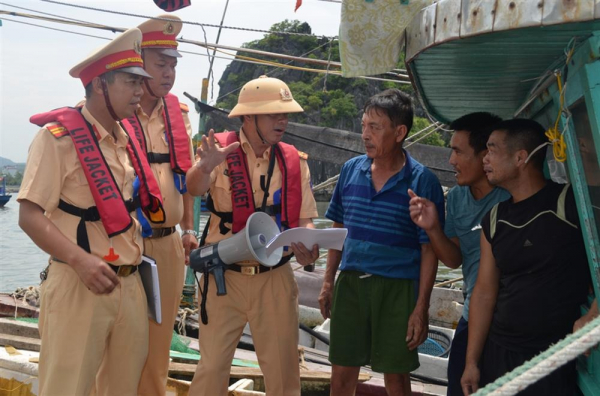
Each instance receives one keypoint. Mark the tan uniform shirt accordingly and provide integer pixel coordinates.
(53, 172)
(220, 188)
(156, 142)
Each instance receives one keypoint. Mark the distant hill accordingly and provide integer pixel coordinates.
(6, 162)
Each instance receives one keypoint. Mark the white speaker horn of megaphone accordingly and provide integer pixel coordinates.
(250, 243)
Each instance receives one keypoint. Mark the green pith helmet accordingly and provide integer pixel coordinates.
(265, 95)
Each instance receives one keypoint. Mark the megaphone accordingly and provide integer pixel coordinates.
(248, 244)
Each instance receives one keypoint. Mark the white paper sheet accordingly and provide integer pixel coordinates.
(331, 238)
(149, 275)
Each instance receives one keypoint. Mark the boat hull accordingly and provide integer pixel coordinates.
(4, 199)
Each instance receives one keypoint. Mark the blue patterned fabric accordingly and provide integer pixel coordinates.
(382, 239)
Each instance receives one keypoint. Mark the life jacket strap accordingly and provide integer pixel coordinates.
(90, 214)
(227, 217)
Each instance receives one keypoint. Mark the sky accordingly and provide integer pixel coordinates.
(34, 62)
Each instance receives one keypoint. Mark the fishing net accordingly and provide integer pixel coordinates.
(180, 344)
(437, 344)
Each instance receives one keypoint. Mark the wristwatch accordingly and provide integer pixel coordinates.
(185, 232)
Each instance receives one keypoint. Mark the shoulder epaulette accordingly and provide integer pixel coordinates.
(302, 155)
(57, 130)
(184, 107)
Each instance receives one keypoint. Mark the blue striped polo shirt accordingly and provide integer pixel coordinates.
(382, 239)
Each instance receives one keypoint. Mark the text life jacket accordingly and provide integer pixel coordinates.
(110, 206)
(175, 131)
(242, 197)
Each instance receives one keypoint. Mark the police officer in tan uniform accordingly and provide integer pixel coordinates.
(160, 133)
(266, 298)
(93, 317)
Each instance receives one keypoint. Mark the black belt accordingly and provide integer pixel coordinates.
(162, 232)
(120, 270)
(257, 269)
(123, 270)
(158, 158)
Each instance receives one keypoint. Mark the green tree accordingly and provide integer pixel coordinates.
(432, 138)
(327, 99)
(14, 180)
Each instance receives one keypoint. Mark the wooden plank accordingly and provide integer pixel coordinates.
(184, 369)
(18, 327)
(193, 359)
(177, 387)
(30, 344)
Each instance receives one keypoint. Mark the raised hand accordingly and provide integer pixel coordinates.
(211, 155)
(422, 211)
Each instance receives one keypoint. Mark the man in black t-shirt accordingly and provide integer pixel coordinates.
(533, 273)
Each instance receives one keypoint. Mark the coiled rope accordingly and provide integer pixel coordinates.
(545, 363)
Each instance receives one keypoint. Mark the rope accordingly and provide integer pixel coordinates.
(15, 300)
(328, 64)
(437, 128)
(183, 314)
(28, 295)
(23, 383)
(326, 183)
(545, 363)
(556, 138)
(62, 3)
(448, 282)
(302, 361)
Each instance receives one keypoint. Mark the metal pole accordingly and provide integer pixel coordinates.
(212, 59)
(189, 289)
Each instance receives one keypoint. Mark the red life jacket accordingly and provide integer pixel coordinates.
(110, 205)
(177, 137)
(242, 198)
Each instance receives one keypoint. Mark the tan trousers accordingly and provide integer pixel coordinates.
(269, 302)
(91, 340)
(170, 260)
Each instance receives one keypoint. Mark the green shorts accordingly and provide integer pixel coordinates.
(369, 320)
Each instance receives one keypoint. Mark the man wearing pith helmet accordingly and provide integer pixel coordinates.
(274, 179)
(162, 128)
(78, 205)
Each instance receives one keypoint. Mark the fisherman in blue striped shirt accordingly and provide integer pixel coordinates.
(379, 306)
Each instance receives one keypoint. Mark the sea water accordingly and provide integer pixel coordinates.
(21, 261)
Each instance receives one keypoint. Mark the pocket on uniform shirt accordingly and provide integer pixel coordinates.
(221, 194)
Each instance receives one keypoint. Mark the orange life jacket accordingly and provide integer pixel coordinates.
(110, 205)
(242, 198)
(176, 133)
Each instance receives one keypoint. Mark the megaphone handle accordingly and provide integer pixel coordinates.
(220, 280)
